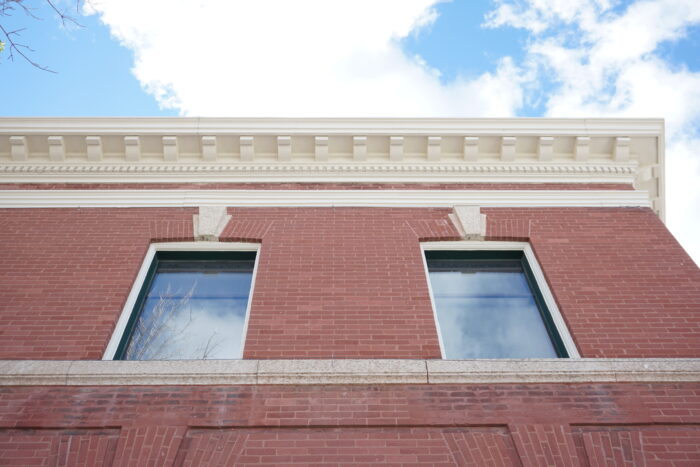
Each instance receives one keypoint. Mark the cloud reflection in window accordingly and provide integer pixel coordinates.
(488, 312)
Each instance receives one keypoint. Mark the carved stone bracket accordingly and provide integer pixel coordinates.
(210, 222)
(469, 221)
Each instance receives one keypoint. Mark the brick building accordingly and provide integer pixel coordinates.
(343, 292)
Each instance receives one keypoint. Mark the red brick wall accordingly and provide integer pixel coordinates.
(342, 283)
(346, 282)
(506, 424)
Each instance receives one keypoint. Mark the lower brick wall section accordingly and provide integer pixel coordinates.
(639, 445)
(70, 447)
(506, 424)
(552, 445)
(343, 446)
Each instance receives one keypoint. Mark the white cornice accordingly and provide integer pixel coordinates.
(164, 150)
(321, 198)
(321, 372)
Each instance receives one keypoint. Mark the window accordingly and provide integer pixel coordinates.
(189, 305)
(488, 305)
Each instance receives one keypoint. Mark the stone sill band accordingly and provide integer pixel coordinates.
(322, 372)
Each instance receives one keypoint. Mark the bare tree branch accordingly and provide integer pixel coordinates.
(62, 14)
(17, 47)
(165, 331)
(9, 38)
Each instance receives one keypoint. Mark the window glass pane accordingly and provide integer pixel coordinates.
(193, 310)
(486, 309)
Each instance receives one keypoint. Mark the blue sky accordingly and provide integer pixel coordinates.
(421, 58)
(93, 72)
(456, 44)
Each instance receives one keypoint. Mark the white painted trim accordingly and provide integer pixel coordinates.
(128, 308)
(432, 302)
(324, 372)
(250, 295)
(153, 248)
(320, 198)
(551, 303)
(542, 284)
(206, 246)
(476, 245)
(661, 176)
(205, 126)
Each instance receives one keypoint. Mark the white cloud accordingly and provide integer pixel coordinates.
(539, 15)
(301, 58)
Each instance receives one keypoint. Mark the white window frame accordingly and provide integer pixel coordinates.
(544, 289)
(154, 248)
